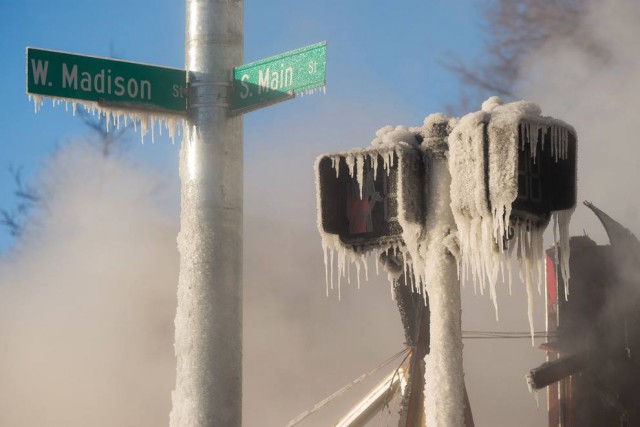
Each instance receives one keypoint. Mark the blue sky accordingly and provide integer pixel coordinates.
(384, 64)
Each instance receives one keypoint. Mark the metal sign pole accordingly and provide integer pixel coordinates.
(208, 322)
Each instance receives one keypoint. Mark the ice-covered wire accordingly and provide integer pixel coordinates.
(338, 393)
(397, 373)
(503, 335)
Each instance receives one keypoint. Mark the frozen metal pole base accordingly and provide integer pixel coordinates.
(444, 377)
(208, 341)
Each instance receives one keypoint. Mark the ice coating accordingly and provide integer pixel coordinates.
(486, 235)
(467, 231)
(389, 135)
(444, 378)
(386, 147)
(144, 122)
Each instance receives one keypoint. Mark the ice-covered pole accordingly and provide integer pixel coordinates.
(208, 340)
(444, 378)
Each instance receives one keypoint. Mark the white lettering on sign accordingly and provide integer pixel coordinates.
(273, 80)
(119, 86)
(245, 93)
(177, 91)
(263, 80)
(101, 82)
(69, 79)
(313, 67)
(39, 71)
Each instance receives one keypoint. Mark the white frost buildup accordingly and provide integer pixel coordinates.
(486, 143)
(467, 229)
(444, 378)
(144, 121)
(390, 147)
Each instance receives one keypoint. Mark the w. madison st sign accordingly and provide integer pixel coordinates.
(109, 82)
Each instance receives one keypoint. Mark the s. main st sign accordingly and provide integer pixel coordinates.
(107, 82)
(278, 78)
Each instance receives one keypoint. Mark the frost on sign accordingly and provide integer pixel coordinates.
(279, 78)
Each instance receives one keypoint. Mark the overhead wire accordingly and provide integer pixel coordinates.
(504, 335)
(387, 402)
(338, 393)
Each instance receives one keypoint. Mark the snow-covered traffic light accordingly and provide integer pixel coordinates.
(511, 170)
(364, 196)
(547, 177)
(510, 162)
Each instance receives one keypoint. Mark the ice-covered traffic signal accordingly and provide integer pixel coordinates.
(547, 177)
(511, 163)
(365, 195)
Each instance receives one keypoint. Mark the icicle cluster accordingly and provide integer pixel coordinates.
(486, 236)
(312, 91)
(145, 122)
(335, 252)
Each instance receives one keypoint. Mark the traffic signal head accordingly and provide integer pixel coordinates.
(546, 167)
(511, 168)
(511, 163)
(364, 196)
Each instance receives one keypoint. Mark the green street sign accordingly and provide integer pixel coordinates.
(278, 78)
(107, 82)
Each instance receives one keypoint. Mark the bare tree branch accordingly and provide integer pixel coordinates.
(516, 29)
(107, 135)
(27, 199)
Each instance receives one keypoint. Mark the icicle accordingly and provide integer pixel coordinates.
(404, 268)
(331, 269)
(563, 219)
(365, 263)
(392, 283)
(350, 161)
(533, 140)
(335, 164)
(359, 160)
(340, 272)
(37, 102)
(373, 157)
(325, 249)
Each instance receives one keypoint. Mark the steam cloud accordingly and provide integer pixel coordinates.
(86, 300)
(592, 81)
(88, 297)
